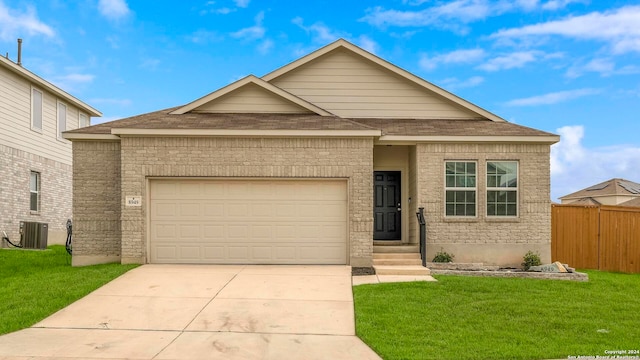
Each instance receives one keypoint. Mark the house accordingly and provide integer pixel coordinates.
(610, 192)
(316, 162)
(35, 160)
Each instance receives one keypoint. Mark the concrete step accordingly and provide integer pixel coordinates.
(409, 262)
(396, 248)
(401, 270)
(396, 256)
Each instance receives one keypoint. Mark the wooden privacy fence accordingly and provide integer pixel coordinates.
(596, 237)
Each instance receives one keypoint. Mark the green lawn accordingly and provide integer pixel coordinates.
(35, 284)
(490, 318)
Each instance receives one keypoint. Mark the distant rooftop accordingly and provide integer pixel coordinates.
(607, 188)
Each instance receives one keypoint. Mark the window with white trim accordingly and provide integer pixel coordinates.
(34, 191)
(83, 120)
(502, 188)
(460, 188)
(36, 109)
(62, 119)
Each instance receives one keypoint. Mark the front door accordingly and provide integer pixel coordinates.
(386, 205)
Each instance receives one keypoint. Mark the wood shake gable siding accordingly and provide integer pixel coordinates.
(349, 86)
(15, 119)
(251, 99)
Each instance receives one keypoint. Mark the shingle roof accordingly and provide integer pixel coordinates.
(435, 127)
(249, 121)
(607, 188)
(635, 202)
(238, 121)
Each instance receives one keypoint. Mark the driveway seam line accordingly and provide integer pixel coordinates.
(199, 312)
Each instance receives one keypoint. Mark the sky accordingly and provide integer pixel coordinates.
(570, 67)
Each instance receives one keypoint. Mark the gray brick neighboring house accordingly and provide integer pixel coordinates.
(318, 162)
(35, 160)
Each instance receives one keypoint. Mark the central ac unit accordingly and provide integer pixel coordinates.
(34, 235)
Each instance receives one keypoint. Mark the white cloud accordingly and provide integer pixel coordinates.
(321, 33)
(454, 57)
(618, 27)
(455, 83)
(265, 46)
(254, 32)
(368, 44)
(70, 82)
(453, 15)
(574, 167)
(242, 3)
(560, 4)
(113, 9)
(150, 64)
(510, 61)
(204, 36)
(602, 66)
(553, 98)
(15, 22)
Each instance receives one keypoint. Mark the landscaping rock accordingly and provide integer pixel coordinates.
(556, 267)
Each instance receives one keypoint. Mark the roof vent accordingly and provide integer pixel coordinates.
(19, 52)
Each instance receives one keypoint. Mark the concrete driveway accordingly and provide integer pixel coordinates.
(203, 312)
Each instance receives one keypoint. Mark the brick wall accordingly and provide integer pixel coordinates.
(247, 157)
(96, 201)
(55, 193)
(490, 240)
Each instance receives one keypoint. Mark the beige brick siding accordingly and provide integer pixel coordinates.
(531, 229)
(55, 193)
(248, 157)
(96, 201)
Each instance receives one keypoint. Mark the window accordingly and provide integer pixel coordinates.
(83, 120)
(460, 188)
(62, 119)
(36, 109)
(34, 188)
(502, 188)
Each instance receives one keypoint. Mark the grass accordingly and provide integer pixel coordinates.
(491, 318)
(35, 284)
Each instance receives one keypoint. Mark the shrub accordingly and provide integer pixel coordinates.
(443, 257)
(531, 259)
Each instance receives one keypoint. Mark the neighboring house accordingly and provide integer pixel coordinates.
(313, 163)
(610, 192)
(35, 160)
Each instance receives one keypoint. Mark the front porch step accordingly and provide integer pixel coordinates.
(401, 270)
(396, 256)
(398, 262)
(396, 249)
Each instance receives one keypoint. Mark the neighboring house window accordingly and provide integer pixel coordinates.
(460, 188)
(502, 188)
(34, 189)
(62, 119)
(36, 109)
(83, 120)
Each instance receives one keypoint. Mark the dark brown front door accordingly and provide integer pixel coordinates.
(386, 205)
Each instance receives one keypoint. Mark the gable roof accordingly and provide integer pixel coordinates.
(633, 202)
(251, 79)
(610, 187)
(40, 82)
(345, 45)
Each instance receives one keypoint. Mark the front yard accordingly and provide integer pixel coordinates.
(34, 284)
(490, 318)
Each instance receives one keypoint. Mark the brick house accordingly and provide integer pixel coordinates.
(35, 160)
(316, 162)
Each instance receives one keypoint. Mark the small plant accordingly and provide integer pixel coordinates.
(443, 257)
(531, 259)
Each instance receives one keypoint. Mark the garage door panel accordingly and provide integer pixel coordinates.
(248, 221)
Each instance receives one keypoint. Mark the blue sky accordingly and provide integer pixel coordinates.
(570, 67)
